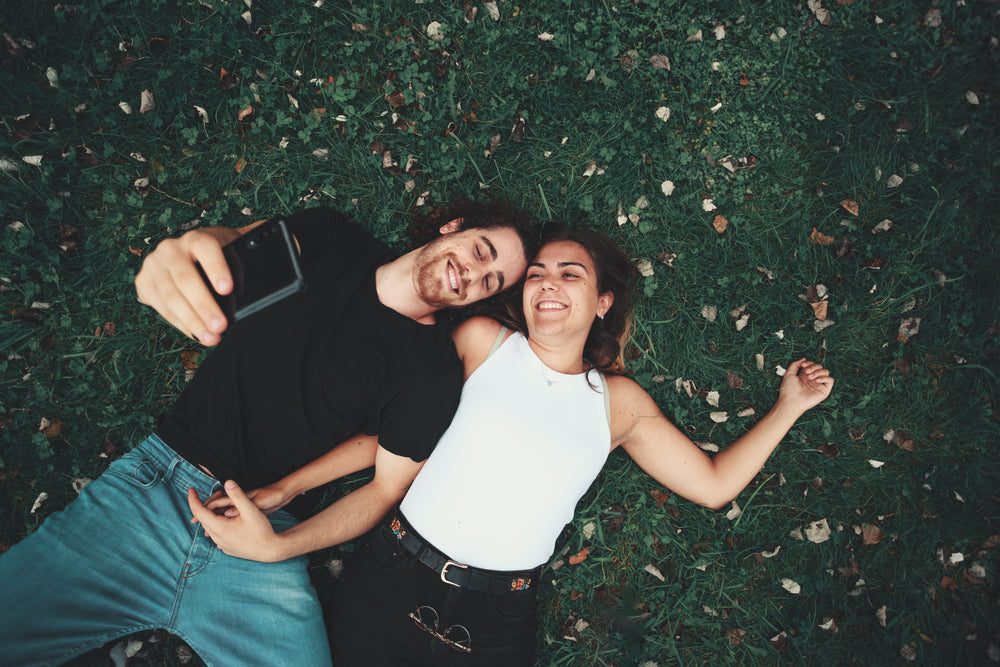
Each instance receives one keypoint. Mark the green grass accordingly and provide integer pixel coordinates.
(893, 96)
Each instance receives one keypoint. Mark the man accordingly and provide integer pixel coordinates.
(361, 350)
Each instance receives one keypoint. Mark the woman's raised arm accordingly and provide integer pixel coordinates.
(670, 457)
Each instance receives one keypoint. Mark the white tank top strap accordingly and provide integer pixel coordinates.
(607, 397)
(499, 341)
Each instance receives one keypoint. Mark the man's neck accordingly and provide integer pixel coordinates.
(395, 289)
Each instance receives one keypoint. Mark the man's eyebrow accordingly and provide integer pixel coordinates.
(493, 251)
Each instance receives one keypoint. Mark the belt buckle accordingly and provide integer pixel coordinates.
(444, 570)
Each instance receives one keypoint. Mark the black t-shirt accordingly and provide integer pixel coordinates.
(289, 382)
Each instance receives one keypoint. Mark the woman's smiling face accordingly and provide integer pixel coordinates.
(560, 291)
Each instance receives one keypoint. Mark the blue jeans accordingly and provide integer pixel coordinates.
(124, 557)
(370, 621)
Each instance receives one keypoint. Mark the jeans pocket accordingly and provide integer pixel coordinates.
(136, 469)
(385, 549)
(515, 606)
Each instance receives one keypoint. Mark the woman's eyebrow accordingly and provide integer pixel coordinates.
(561, 265)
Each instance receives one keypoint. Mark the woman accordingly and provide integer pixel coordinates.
(451, 577)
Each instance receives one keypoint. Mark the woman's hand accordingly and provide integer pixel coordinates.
(805, 385)
(268, 499)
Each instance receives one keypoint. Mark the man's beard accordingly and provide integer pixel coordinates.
(432, 280)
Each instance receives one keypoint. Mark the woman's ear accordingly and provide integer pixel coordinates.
(604, 302)
(450, 227)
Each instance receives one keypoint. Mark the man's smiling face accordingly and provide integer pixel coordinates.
(462, 267)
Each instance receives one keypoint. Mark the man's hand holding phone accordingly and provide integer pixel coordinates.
(208, 278)
(170, 282)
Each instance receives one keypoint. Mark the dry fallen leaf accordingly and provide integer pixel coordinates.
(822, 15)
(907, 329)
(871, 534)
(146, 103)
(240, 165)
(579, 557)
(655, 571)
(820, 238)
(720, 223)
(791, 586)
(817, 531)
(244, 113)
(660, 61)
(850, 206)
(819, 309)
(667, 188)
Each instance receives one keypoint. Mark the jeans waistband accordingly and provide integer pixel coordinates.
(177, 470)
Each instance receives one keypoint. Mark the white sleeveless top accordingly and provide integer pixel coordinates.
(504, 480)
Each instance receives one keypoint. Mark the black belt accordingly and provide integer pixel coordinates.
(458, 574)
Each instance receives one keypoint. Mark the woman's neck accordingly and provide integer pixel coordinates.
(564, 358)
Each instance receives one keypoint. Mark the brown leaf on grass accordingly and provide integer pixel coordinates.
(575, 595)
(733, 380)
(720, 223)
(830, 450)
(579, 557)
(226, 79)
(819, 309)
(189, 359)
(615, 516)
(518, 130)
(52, 429)
(992, 542)
(245, 113)
(674, 629)
(870, 534)
(948, 583)
(660, 497)
(138, 252)
(744, 81)
(850, 571)
(820, 238)
(107, 330)
(241, 164)
(850, 206)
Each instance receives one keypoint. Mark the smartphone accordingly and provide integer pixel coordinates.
(265, 269)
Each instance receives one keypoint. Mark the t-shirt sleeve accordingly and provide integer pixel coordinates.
(321, 231)
(416, 419)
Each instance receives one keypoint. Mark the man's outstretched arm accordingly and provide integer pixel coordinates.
(250, 535)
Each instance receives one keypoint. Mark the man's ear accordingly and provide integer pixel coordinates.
(452, 226)
(604, 302)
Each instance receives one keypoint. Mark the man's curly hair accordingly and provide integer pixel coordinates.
(491, 214)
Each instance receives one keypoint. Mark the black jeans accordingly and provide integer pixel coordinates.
(370, 622)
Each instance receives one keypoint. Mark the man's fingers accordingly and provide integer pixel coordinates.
(198, 510)
(240, 500)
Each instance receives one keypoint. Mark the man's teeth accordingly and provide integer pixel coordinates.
(452, 278)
